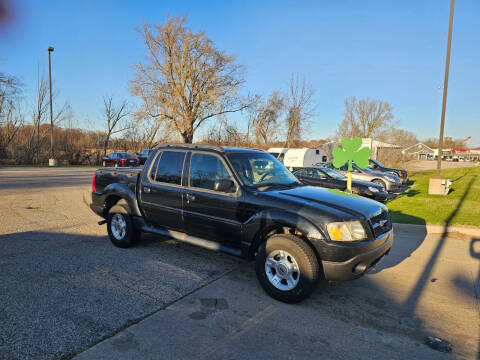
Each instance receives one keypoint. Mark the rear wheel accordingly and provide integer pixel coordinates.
(120, 227)
(287, 268)
(381, 183)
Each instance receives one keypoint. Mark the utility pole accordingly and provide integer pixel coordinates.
(52, 161)
(445, 87)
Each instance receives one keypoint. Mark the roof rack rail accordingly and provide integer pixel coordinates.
(194, 146)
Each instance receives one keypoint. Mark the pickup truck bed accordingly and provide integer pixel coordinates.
(110, 175)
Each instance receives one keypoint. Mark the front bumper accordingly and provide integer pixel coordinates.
(358, 265)
(378, 196)
(392, 186)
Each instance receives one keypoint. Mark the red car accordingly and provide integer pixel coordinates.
(121, 159)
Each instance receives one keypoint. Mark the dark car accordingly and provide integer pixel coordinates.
(143, 155)
(329, 178)
(121, 159)
(376, 165)
(390, 182)
(246, 203)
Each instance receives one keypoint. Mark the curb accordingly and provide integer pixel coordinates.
(438, 229)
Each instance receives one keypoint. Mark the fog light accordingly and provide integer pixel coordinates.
(359, 268)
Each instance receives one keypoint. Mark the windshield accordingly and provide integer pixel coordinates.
(261, 169)
(333, 174)
(356, 167)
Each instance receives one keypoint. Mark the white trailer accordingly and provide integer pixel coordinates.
(279, 153)
(298, 158)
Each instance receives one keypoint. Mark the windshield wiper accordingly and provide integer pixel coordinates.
(270, 186)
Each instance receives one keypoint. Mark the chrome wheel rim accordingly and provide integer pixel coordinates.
(119, 226)
(282, 270)
(378, 182)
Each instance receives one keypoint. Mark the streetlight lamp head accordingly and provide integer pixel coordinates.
(50, 48)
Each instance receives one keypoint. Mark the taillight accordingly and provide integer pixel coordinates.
(93, 181)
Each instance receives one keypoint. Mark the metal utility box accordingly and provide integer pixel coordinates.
(438, 186)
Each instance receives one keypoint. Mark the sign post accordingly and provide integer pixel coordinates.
(349, 153)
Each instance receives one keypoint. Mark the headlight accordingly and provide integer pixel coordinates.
(392, 178)
(346, 231)
(373, 189)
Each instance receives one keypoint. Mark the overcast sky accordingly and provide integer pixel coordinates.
(389, 50)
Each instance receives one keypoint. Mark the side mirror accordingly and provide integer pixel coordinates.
(226, 186)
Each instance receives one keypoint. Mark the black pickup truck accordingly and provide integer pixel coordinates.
(246, 203)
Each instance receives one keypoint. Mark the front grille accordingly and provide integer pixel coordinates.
(380, 223)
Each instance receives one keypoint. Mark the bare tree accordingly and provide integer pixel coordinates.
(115, 117)
(400, 137)
(264, 117)
(225, 133)
(365, 118)
(39, 112)
(186, 80)
(12, 121)
(11, 117)
(448, 143)
(10, 89)
(152, 131)
(299, 108)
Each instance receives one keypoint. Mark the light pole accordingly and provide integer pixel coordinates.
(51, 161)
(435, 185)
(445, 87)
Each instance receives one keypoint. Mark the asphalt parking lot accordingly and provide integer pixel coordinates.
(66, 292)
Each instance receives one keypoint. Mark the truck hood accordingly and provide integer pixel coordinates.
(331, 198)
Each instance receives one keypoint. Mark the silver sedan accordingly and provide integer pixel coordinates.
(389, 181)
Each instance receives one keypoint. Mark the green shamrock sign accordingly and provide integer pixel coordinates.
(351, 152)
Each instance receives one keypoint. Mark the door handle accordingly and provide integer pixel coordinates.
(190, 197)
(146, 190)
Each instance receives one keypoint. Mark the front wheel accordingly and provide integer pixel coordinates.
(381, 183)
(287, 268)
(120, 228)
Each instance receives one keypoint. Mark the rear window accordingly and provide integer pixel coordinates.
(170, 167)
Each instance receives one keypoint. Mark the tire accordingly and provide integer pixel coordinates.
(120, 227)
(381, 183)
(276, 260)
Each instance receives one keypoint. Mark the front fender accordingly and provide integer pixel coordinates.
(124, 192)
(262, 223)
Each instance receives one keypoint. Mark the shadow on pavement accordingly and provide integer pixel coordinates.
(412, 300)
(63, 292)
(465, 286)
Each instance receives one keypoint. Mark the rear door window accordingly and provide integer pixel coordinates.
(153, 170)
(169, 169)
